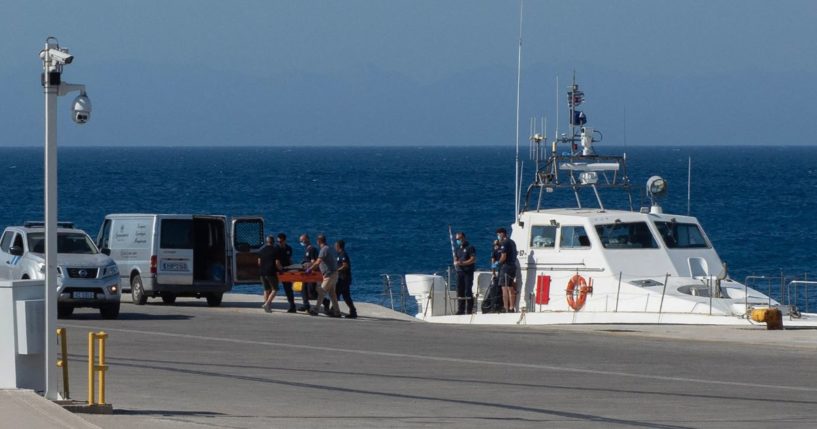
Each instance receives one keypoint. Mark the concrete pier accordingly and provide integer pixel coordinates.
(189, 365)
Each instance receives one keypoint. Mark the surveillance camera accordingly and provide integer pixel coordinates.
(61, 55)
(81, 109)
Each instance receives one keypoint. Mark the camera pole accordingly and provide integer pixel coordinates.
(54, 58)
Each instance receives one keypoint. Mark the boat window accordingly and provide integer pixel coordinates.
(626, 235)
(574, 237)
(67, 242)
(542, 236)
(177, 234)
(677, 235)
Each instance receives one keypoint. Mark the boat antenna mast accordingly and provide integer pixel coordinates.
(577, 168)
(517, 186)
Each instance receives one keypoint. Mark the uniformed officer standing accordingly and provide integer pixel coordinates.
(345, 278)
(285, 252)
(507, 269)
(310, 254)
(465, 258)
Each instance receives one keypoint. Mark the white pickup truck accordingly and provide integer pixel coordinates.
(86, 277)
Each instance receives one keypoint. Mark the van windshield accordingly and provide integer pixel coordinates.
(177, 234)
(67, 242)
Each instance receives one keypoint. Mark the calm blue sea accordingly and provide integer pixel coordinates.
(393, 205)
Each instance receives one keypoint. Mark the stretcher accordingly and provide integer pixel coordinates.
(300, 276)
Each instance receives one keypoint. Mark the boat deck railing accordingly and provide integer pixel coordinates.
(791, 292)
(390, 282)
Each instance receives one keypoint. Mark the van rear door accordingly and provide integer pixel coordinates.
(247, 238)
(174, 264)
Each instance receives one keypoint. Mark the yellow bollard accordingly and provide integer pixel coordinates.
(96, 366)
(62, 335)
(90, 368)
(101, 368)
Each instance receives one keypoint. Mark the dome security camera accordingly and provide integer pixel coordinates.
(81, 109)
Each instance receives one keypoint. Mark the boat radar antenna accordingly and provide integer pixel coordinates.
(578, 167)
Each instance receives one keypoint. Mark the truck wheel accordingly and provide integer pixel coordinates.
(137, 291)
(110, 311)
(169, 298)
(214, 299)
(64, 311)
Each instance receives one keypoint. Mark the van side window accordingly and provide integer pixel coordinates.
(542, 236)
(176, 234)
(5, 242)
(574, 237)
(105, 236)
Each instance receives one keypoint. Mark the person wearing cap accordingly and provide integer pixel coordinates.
(507, 269)
(269, 262)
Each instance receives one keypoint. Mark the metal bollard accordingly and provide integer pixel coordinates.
(62, 362)
(98, 367)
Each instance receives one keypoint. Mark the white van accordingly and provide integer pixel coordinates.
(172, 255)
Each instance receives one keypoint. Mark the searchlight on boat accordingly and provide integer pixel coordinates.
(656, 189)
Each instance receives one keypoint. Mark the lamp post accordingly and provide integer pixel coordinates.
(54, 58)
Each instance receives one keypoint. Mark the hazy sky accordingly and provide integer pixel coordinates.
(411, 72)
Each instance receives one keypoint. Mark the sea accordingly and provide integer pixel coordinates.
(393, 205)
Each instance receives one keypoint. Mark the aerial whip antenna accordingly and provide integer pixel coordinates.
(518, 86)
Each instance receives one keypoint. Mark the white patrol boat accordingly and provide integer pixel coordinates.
(591, 264)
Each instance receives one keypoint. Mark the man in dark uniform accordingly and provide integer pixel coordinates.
(465, 258)
(345, 278)
(507, 269)
(269, 262)
(285, 252)
(310, 254)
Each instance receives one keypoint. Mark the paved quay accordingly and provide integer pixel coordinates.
(190, 366)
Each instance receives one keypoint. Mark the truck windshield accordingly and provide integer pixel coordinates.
(67, 242)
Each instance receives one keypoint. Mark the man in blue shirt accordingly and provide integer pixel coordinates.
(507, 269)
(345, 278)
(285, 252)
(310, 254)
(465, 258)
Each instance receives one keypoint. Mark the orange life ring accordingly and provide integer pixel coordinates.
(576, 292)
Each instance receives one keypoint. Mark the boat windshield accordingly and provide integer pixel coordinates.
(678, 235)
(626, 235)
(67, 242)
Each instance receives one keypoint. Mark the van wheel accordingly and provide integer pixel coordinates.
(64, 311)
(137, 292)
(214, 300)
(169, 298)
(110, 311)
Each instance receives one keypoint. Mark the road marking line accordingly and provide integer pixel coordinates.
(462, 360)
